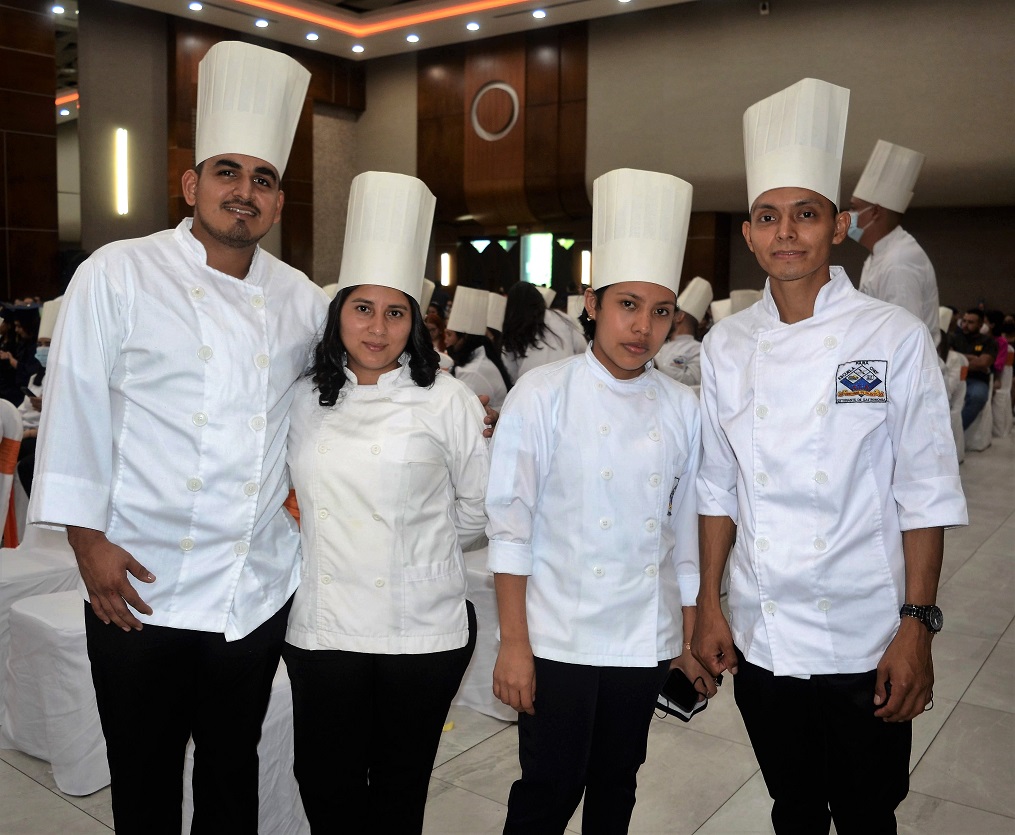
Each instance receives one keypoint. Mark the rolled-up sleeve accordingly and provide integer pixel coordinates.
(717, 476)
(685, 516)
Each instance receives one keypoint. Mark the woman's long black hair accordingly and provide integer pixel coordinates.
(328, 370)
(461, 353)
(524, 319)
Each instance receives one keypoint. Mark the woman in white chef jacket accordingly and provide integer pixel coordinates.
(389, 467)
(477, 363)
(533, 335)
(593, 529)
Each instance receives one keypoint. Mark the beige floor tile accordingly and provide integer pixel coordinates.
(971, 761)
(957, 660)
(470, 729)
(721, 718)
(994, 685)
(489, 769)
(450, 809)
(1001, 542)
(977, 611)
(927, 726)
(988, 569)
(922, 815)
(27, 808)
(1009, 634)
(747, 811)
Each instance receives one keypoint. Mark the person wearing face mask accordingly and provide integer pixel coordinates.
(897, 270)
(31, 406)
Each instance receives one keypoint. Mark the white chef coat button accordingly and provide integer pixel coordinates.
(325, 579)
(257, 423)
(761, 411)
(654, 435)
(655, 480)
(194, 484)
(250, 489)
(651, 394)
(598, 571)
(821, 409)
(377, 517)
(379, 582)
(262, 361)
(205, 352)
(761, 478)
(257, 301)
(606, 473)
(186, 544)
(197, 292)
(600, 386)
(650, 525)
(322, 448)
(764, 346)
(375, 449)
(820, 544)
(240, 549)
(604, 429)
(821, 477)
(770, 607)
(824, 605)
(830, 341)
(651, 571)
(200, 418)
(323, 513)
(385, 400)
(761, 543)
(604, 523)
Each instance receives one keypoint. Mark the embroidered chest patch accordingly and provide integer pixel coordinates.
(862, 381)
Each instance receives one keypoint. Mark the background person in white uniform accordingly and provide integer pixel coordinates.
(680, 356)
(162, 449)
(477, 363)
(534, 335)
(593, 532)
(897, 269)
(829, 469)
(389, 464)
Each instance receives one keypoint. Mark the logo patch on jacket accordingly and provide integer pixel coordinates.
(862, 381)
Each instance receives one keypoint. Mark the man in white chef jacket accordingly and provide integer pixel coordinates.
(830, 471)
(162, 450)
(897, 269)
(680, 357)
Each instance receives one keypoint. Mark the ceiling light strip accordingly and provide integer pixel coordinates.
(66, 99)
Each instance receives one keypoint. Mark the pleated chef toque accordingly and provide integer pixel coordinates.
(639, 227)
(721, 308)
(47, 323)
(426, 298)
(387, 232)
(795, 139)
(743, 299)
(890, 176)
(249, 100)
(496, 306)
(468, 313)
(695, 298)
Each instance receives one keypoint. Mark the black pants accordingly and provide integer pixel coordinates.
(367, 727)
(589, 734)
(823, 753)
(157, 687)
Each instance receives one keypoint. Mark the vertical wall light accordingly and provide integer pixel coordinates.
(120, 168)
(586, 267)
(445, 269)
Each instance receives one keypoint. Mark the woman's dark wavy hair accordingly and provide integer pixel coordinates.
(328, 371)
(524, 319)
(589, 325)
(469, 342)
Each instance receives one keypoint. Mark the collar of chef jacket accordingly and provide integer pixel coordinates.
(829, 296)
(387, 380)
(599, 370)
(889, 240)
(184, 235)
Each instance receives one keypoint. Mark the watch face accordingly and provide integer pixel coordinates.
(935, 618)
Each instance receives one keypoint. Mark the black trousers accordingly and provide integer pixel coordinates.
(589, 734)
(157, 687)
(367, 727)
(823, 753)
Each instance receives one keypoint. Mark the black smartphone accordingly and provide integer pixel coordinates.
(679, 697)
(28, 392)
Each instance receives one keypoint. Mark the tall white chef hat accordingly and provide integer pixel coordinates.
(721, 308)
(795, 138)
(890, 176)
(695, 298)
(548, 294)
(47, 324)
(249, 100)
(743, 299)
(944, 318)
(496, 306)
(331, 290)
(387, 232)
(468, 313)
(639, 227)
(575, 305)
(427, 295)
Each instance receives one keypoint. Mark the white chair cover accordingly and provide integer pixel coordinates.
(1001, 403)
(978, 435)
(955, 383)
(12, 430)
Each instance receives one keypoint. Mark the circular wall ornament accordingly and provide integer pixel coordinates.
(503, 128)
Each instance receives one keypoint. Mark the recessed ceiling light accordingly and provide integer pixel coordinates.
(261, 23)
(312, 36)
(472, 27)
(624, 1)
(58, 9)
(539, 14)
(64, 111)
(195, 7)
(412, 38)
(357, 48)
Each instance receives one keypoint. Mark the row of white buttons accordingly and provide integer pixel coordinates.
(199, 293)
(195, 484)
(650, 571)
(649, 393)
(821, 477)
(606, 524)
(205, 353)
(326, 580)
(257, 422)
(655, 479)
(770, 606)
(762, 544)
(765, 346)
(240, 548)
(762, 411)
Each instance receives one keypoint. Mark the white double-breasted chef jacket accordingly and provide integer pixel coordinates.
(823, 440)
(591, 497)
(680, 358)
(390, 483)
(899, 271)
(482, 376)
(167, 401)
(564, 338)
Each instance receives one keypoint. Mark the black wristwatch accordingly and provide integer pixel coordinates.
(929, 616)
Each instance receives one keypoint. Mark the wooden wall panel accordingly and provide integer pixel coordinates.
(440, 130)
(707, 253)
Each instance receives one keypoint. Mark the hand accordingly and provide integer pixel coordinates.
(908, 665)
(104, 568)
(492, 416)
(712, 643)
(688, 664)
(36, 403)
(514, 677)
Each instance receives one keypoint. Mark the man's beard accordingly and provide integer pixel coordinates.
(237, 236)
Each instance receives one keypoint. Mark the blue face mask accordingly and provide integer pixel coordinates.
(42, 354)
(855, 231)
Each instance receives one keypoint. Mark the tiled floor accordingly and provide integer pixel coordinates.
(703, 777)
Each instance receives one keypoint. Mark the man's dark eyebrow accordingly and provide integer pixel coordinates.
(263, 170)
(266, 172)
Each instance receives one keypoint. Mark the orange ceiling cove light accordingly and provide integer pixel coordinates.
(363, 30)
(66, 99)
